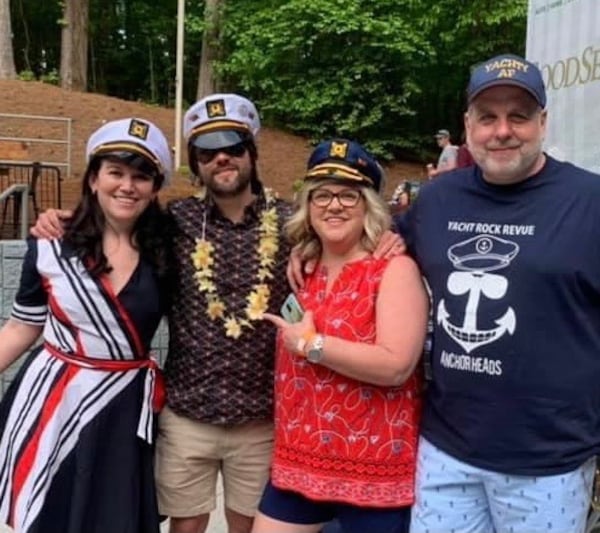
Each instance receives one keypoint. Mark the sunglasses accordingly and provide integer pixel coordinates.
(206, 155)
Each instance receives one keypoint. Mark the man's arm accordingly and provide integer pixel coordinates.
(50, 223)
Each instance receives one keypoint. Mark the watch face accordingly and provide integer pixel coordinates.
(314, 355)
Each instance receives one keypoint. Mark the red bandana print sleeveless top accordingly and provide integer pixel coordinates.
(338, 439)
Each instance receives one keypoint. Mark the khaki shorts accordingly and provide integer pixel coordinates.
(190, 454)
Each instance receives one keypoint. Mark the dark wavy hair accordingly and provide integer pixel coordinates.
(84, 231)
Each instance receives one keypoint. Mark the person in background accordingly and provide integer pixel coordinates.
(509, 248)
(76, 424)
(447, 158)
(347, 397)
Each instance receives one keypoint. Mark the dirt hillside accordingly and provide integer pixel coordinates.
(282, 156)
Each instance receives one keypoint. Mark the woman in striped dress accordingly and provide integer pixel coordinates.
(76, 423)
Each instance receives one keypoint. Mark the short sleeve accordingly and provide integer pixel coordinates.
(451, 154)
(30, 305)
(404, 224)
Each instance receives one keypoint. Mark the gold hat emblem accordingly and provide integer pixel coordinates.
(139, 129)
(215, 108)
(338, 149)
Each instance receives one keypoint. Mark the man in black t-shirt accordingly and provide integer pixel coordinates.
(509, 249)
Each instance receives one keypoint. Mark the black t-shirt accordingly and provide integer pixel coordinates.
(515, 278)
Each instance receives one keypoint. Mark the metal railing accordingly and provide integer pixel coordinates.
(21, 189)
(64, 140)
(44, 191)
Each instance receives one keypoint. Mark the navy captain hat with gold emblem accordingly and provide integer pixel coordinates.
(220, 120)
(344, 160)
(137, 142)
(507, 69)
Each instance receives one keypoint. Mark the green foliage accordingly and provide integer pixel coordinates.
(36, 35)
(131, 46)
(26, 75)
(132, 49)
(52, 77)
(384, 72)
(297, 185)
(325, 68)
(387, 73)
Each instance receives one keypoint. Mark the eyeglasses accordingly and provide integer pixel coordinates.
(206, 155)
(346, 198)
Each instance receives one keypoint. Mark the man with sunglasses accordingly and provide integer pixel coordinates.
(230, 258)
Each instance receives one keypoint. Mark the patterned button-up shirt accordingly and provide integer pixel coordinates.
(211, 377)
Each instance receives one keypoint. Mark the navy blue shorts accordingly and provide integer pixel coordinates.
(294, 508)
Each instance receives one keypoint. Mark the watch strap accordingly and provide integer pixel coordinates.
(315, 349)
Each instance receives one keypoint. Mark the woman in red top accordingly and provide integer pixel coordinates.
(347, 395)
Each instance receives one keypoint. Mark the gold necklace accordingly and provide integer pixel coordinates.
(257, 301)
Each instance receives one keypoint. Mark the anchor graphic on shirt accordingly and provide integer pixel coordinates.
(476, 257)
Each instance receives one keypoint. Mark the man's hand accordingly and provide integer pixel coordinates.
(296, 269)
(50, 224)
(390, 245)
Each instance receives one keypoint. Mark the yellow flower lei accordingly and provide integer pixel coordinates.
(258, 299)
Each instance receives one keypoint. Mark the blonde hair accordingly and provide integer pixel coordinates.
(299, 231)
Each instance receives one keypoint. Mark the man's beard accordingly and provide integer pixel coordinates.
(238, 187)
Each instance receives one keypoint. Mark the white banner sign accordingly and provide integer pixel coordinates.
(563, 39)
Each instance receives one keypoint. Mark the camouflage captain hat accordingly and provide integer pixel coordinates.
(220, 120)
(345, 160)
(138, 142)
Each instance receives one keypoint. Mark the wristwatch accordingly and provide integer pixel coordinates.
(315, 350)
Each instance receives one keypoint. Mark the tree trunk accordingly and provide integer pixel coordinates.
(7, 60)
(74, 45)
(207, 83)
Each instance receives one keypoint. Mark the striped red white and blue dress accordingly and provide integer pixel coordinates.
(76, 424)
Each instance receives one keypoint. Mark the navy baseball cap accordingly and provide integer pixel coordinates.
(344, 160)
(507, 69)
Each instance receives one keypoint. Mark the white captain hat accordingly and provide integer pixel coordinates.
(139, 142)
(221, 120)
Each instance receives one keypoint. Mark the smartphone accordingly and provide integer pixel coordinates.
(291, 310)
